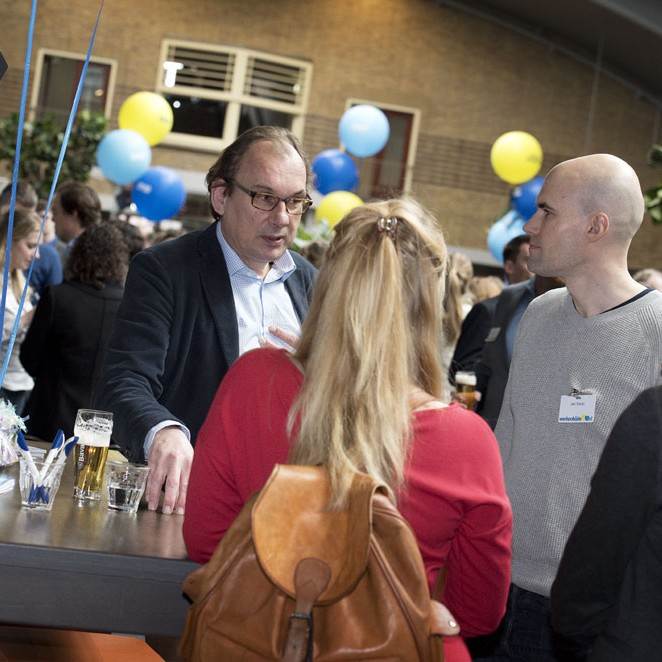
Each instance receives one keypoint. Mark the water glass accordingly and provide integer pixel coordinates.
(126, 484)
(39, 495)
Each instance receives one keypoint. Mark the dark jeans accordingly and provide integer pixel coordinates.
(525, 634)
(18, 398)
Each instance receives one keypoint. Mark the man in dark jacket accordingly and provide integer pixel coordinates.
(193, 305)
(487, 338)
(607, 596)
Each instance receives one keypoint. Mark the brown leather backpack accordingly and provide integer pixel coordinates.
(292, 580)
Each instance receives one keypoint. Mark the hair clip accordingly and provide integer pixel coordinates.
(388, 225)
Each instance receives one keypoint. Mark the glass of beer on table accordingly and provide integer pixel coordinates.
(465, 388)
(93, 429)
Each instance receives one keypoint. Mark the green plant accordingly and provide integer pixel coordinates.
(313, 231)
(42, 140)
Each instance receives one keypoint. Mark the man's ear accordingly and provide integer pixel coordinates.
(219, 192)
(508, 268)
(598, 226)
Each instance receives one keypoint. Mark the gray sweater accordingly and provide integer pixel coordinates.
(548, 465)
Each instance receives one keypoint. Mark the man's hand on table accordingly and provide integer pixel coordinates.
(169, 462)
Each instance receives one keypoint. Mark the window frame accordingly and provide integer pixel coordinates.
(39, 69)
(234, 98)
(413, 140)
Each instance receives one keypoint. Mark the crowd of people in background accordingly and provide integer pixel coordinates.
(565, 344)
(74, 291)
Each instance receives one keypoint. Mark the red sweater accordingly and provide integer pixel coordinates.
(455, 498)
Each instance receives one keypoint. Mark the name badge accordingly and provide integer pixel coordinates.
(493, 334)
(577, 408)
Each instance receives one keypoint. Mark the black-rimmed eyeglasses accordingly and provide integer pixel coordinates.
(295, 204)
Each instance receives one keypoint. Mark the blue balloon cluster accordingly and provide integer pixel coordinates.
(525, 197)
(508, 227)
(159, 193)
(334, 171)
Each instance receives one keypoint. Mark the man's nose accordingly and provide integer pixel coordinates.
(533, 224)
(279, 215)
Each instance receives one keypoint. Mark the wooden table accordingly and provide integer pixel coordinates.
(82, 566)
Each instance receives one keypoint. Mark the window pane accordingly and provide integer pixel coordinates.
(252, 116)
(59, 79)
(198, 117)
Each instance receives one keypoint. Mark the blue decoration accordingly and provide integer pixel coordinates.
(158, 193)
(525, 197)
(363, 130)
(123, 156)
(334, 171)
(508, 227)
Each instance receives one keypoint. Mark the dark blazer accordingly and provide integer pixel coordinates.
(475, 327)
(493, 366)
(64, 351)
(176, 336)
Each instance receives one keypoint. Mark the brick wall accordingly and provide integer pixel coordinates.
(472, 80)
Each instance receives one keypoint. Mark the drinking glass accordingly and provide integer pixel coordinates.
(126, 484)
(93, 429)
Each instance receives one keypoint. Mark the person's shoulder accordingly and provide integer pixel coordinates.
(513, 291)
(259, 369)
(181, 247)
(455, 434)
(551, 300)
(647, 406)
(302, 264)
(47, 253)
(654, 299)
(263, 359)
(457, 420)
(484, 307)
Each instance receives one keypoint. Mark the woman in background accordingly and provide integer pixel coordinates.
(17, 384)
(457, 304)
(66, 344)
(349, 399)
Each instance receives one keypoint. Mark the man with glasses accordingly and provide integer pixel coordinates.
(192, 305)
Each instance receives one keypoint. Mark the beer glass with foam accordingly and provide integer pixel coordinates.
(465, 387)
(93, 429)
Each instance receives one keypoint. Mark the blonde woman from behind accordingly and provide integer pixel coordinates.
(369, 350)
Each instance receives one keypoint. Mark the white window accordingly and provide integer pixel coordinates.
(217, 92)
(56, 79)
(388, 173)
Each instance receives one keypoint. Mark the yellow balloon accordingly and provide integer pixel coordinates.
(148, 114)
(335, 205)
(516, 157)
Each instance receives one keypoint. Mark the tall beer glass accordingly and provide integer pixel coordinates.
(93, 429)
(465, 385)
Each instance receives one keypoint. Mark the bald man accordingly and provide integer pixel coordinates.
(582, 355)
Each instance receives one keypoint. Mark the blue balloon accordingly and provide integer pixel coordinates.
(525, 197)
(123, 156)
(334, 171)
(363, 130)
(159, 193)
(508, 227)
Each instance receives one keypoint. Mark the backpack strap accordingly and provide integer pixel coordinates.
(311, 577)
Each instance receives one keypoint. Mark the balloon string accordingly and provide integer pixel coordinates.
(15, 170)
(56, 175)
